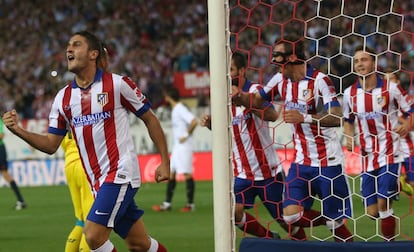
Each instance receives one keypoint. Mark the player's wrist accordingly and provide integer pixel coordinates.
(307, 118)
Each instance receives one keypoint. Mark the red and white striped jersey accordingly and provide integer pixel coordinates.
(315, 145)
(254, 153)
(376, 112)
(98, 118)
(407, 145)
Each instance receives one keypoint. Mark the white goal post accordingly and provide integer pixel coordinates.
(224, 232)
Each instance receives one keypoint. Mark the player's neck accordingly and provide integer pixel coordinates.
(173, 103)
(298, 72)
(368, 82)
(86, 77)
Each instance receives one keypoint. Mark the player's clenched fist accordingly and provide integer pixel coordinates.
(162, 173)
(11, 119)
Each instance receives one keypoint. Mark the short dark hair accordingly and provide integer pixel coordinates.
(367, 49)
(172, 92)
(94, 43)
(239, 60)
(293, 45)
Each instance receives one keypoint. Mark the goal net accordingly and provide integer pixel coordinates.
(331, 30)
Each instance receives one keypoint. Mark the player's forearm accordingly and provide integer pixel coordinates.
(266, 114)
(349, 133)
(192, 127)
(248, 100)
(411, 120)
(38, 141)
(160, 142)
(332, 118)
(157, 136)
(326, 120)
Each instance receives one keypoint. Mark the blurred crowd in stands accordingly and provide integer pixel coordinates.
(149, 40)
(333, 29)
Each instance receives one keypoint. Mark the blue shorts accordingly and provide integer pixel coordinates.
(115, 207)
(330, 184)
(385, 178)
(269, 191)
(409, 167)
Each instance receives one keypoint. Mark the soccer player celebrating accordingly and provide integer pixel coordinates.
(96, 106)
(79, 189)
(256, 168)
(317, 168)
(375, 104)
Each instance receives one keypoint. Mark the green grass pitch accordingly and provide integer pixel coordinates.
(45, 224)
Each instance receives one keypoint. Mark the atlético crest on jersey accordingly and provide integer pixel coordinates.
(307, 94)
(102, 98)
(381, 101)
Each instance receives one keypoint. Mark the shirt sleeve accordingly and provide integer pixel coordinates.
(346, 106)
(256, 88)
(132, 98)
(186, 114)
(270, 90)
(57, 122)
(327, 91)
(404, 100)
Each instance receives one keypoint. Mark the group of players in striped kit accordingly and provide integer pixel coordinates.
(381, 109)
(94, 107)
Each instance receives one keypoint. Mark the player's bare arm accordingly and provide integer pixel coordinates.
(255, 103)
(192, 126)
(248, 100)
(267, 113)
(403, 127)
(330, 118)
(46, 143)
(190, 130)
(327, 119)
(349, 133)
(158, 137)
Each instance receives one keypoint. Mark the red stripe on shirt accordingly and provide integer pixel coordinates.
(389, 147)
(66, 104)
(258, 148)
(88, 137)
(109, 128)
(239, 143)
(372, 126)
(311, 103)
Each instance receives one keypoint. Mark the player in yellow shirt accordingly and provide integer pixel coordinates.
(80, 192)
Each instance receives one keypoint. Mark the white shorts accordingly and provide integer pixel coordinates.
(182, 160)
